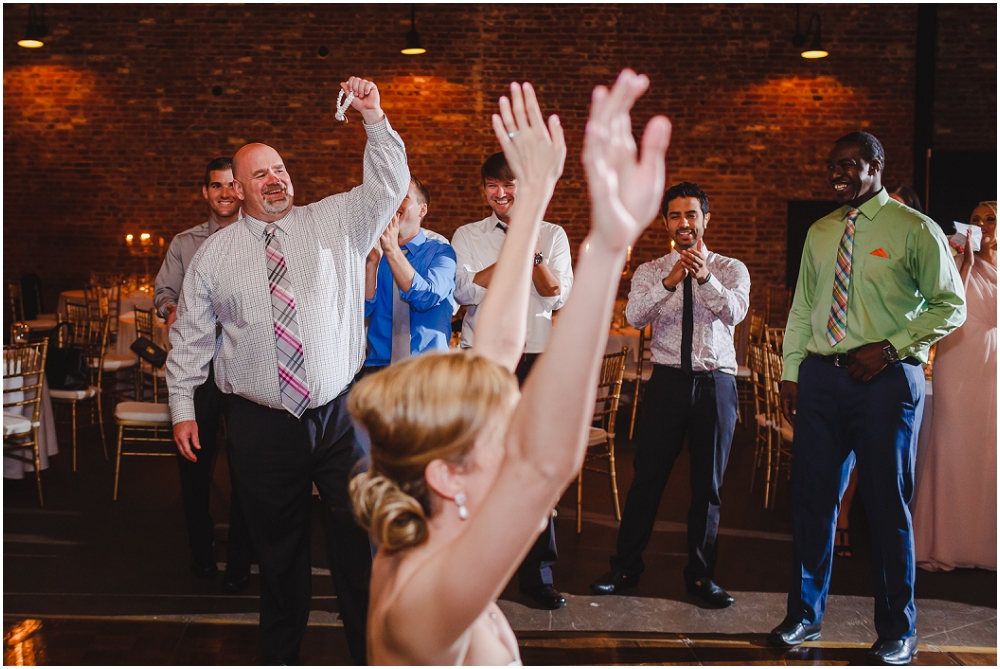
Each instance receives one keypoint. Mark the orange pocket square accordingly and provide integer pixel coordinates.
(880, 252)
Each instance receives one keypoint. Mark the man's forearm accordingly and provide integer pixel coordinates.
(402, 270)
(483, 276)
(546, 283)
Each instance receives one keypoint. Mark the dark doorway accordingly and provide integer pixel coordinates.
(958, 181)
(801, 215)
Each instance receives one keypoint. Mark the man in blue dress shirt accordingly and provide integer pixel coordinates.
(409, 283)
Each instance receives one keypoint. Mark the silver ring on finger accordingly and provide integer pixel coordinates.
(511, 135)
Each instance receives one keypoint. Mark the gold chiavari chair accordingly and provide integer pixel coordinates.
(144, 325)
(23, 376)
(757, 364)
(142, 422)
(95, 346)
(783, 434)
(601, 443)
(643, 370)
(37, 327)
(757, 324)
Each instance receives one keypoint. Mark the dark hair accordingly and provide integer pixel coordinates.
(425, 194)
(215, 165)
(496, 167)
(871, 148)
(685, 189)
(909, 196)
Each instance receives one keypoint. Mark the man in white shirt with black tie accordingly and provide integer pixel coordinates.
(477, 247)
(694, 299)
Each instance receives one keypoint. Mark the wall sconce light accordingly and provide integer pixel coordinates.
(815, 49)
(36, 29)
(413, 47)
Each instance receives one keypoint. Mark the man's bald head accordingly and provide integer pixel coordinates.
(262, 182)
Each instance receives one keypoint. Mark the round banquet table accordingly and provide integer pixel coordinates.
(15, 468)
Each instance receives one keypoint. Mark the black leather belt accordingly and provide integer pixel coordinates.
(837, 360)
(844, 359)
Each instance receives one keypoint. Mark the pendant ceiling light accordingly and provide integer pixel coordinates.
(814, 49)
(413, 47)
(36, 32)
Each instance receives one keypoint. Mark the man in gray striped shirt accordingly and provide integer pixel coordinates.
(196, 470)
(278, 453)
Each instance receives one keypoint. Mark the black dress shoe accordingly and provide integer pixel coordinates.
(546, 596)
(793, 632)
(707, 591)
(204, 569)
(893, 651)
(234, 583)
(613, 583)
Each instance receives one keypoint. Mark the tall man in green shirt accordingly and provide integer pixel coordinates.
(877, 287)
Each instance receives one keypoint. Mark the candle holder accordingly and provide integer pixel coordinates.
(145, 249)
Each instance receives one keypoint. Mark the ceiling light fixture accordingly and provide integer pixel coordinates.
(815, 49)
(37, 32)
(413, 47)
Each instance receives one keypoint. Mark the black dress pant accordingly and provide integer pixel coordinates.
(276, 459)
(703, 407)
(196, 482)
(536, 569)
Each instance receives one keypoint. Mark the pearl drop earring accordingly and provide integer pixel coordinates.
(463, 513)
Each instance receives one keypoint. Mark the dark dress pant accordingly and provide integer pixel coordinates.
(276, 459)
(196, 483)
(876, 423)
(536, 569)
(703, 407)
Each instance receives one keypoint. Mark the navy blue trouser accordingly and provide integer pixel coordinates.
(876, 423)
(536, 569)
(196, 484)
(276, 458)
(701, 406)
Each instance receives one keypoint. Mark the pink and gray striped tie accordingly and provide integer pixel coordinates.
(291, 362)
(836, 326)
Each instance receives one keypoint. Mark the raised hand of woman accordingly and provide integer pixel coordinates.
(536, 152)
(625, 188)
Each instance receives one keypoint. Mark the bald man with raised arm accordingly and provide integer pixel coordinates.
(286, 286)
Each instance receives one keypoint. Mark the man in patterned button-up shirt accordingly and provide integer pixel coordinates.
(692, 394)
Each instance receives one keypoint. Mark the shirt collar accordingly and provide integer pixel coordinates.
(257, 227)
(872, 206)
(491, 223)
(416, 242)
(213, 226)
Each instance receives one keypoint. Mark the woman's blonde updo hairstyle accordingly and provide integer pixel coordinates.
(416, 411)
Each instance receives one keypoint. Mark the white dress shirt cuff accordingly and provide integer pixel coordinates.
(181, 409)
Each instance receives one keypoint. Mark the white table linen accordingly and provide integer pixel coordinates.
(15, 468)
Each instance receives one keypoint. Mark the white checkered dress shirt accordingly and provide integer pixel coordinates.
(719, 305)
(325, 245)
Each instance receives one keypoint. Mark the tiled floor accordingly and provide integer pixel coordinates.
(91, 581)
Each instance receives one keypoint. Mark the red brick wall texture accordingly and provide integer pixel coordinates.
(107, 129)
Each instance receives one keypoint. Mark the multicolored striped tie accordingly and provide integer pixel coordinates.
(291, 362)
(836, 326)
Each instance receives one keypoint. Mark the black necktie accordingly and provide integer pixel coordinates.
(687, 326)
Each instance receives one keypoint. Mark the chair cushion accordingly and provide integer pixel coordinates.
(743, 372)
(597, 437)
(15, 423)
(647, 372)
(47, 317)
(114, 361)
(87, 393)
(41, 325)
(143, 412)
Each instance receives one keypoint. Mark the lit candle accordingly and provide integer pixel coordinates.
(628, 256)
(161, 242)
(144, 239)
(128, 240)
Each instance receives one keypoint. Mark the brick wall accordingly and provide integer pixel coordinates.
(107, 129)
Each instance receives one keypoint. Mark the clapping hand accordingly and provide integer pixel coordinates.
(625, 192)
(366, 98)
(535, 152)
